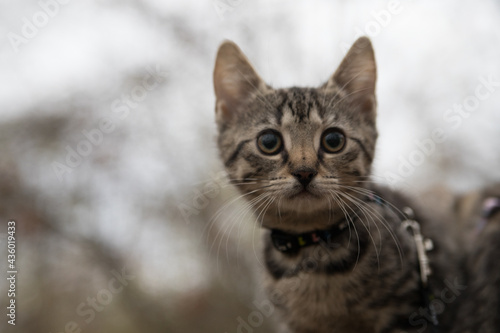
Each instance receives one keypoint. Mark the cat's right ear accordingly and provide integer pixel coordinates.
(235, 80)
(357, 75)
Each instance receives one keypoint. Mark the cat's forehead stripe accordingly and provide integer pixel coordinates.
(297, 104)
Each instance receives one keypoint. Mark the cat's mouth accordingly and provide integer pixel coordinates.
(303, 193)
(304, 200)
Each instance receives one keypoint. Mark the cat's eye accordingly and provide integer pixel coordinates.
(269, 142)
(333, 140)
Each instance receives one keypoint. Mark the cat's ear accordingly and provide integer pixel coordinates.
(357, 74)
(235, 80)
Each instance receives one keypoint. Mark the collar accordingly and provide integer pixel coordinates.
(292, 243)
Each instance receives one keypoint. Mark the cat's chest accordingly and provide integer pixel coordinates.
(318, 303)
(313, 294)
(329, 293)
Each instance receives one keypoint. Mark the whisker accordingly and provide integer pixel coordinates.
(240, 218)
(349, 222)
(367, 216)
(217, 214)
(261, 216)
(372, 193)
(379, 217)
(228, 227)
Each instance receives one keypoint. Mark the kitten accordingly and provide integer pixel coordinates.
(338, 258)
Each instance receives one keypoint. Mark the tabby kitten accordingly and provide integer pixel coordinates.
(338, 258)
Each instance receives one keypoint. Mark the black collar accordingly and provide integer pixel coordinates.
(292, 243)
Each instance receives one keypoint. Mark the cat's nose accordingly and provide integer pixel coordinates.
(304, 176)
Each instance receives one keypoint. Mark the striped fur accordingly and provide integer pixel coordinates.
(367, 280)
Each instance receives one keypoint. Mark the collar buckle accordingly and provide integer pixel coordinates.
(422, 244)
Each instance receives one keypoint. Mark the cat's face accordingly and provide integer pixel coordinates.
(296, 149)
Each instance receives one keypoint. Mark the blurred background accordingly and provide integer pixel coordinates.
(108, 161)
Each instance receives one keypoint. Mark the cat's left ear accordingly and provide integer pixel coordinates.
(235, 80)
(357, 75)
